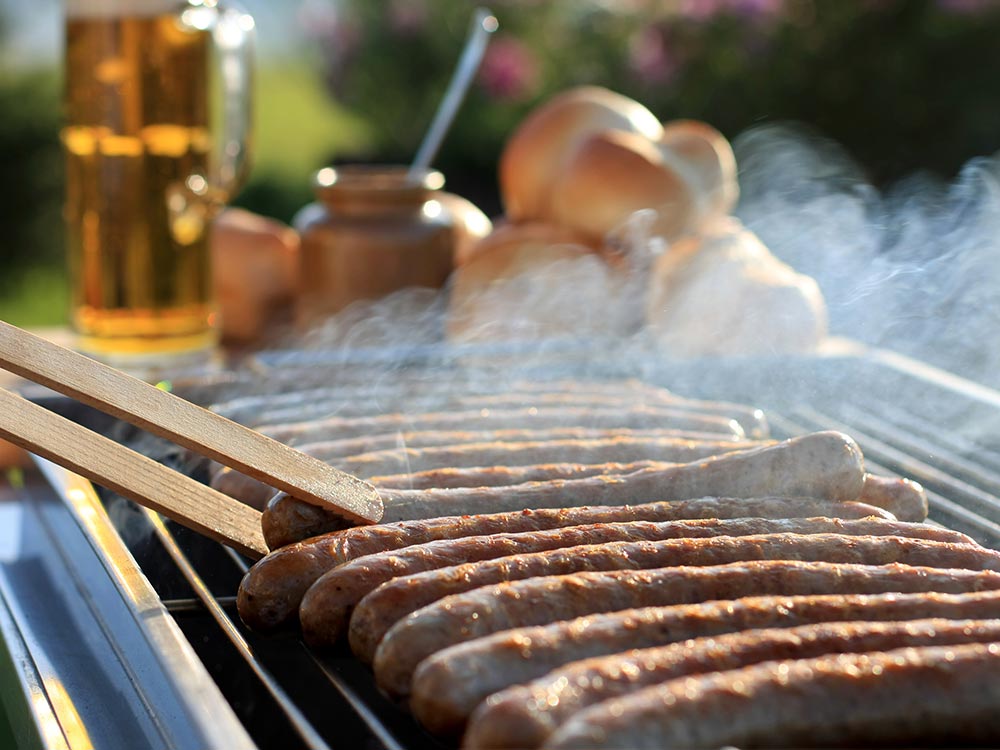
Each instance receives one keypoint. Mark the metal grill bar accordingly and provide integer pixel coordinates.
(181, 606)
(962, 479)
(976, 511)
(301, 725)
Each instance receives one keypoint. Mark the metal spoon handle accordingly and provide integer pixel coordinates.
(483, 24)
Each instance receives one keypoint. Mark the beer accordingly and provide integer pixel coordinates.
(139, 197)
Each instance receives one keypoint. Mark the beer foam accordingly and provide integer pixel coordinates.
(119, 8)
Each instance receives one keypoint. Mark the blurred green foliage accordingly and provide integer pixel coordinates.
(30, 195)
(298, 127)
(903, 85)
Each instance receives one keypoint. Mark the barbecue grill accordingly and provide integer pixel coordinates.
(121, 630)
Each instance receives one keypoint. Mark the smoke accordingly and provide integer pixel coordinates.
(914, 268)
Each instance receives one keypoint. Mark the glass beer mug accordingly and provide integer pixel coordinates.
(157, 108)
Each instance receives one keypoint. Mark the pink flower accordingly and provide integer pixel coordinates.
(703, 10)
(509, 69)
(649, 58)
(407, 17)
(318, 19)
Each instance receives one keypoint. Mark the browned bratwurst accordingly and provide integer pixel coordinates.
(751, 421)
(523, 716)
(599, 450)
(928, 695)
(257, 494)
(383, 605)
(904, 498)
(385, 391)
(443, 624)
(629, 388)
(286, 390)
(470, 455)
(271, 591)
(828, 465)
(326, 450)
(339, 448)
(504, 476)
(636, 418)
(444, 705)
(520, 655)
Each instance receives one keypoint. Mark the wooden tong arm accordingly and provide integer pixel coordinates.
(188, 425)
(131, 475)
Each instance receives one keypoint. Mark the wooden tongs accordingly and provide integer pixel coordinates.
(142, 479)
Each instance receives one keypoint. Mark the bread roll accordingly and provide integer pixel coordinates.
(614, 174)
(255, 270)
(533, 281)
(541, 145)
(711, 163)
(725, 294)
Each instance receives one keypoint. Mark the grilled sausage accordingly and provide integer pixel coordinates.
(445, 622)
(927, 696)
(256, 494)
(287, 519)
(504, 476)
(523, 716)
(271, 591)
(601, 450)
(285, 388)
(289, 392)
(517, 656)
(247, 490)
(904, 498)
(409, 459)
(390, 602)
(636, 417)
(326, 450)
(752, 420)
(828, 465)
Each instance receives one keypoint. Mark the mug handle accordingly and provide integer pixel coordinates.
(233, 33)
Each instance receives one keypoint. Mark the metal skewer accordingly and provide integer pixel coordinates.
(483, 24)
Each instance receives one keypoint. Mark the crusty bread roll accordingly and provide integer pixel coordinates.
(539, 148)
(533, 281)
(255, 272)
(726, 294)
(471, 224)
(612, 175)
(711, 163)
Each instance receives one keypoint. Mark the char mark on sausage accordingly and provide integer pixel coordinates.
(519, 655)
(522, 717)
(442, 624)
(384, 605)
(927, 696)
(272, 590)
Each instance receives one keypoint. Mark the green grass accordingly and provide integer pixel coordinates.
(37, 296)
(298, 126)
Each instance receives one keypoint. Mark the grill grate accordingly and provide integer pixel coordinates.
(288, 696)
